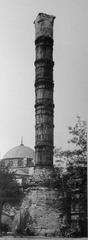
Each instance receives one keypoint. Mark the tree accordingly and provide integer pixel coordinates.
(74, 180)
(78, 169)
(10, 191)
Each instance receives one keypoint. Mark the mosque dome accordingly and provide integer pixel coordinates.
(20, 151)
(20, 159)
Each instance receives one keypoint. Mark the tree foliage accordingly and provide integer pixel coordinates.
(74, 180)
(10, 191)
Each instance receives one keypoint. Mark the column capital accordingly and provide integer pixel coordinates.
(44, 25)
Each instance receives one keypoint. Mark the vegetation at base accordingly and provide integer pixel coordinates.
(24, 227)
(10, 190)
(74, 181)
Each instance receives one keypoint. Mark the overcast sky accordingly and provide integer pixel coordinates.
(17, 72)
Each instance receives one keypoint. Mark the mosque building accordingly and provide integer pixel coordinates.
(20, 160)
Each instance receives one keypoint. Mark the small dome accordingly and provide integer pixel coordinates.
(20, 151)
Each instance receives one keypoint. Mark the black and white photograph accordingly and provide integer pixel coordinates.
(43, 119)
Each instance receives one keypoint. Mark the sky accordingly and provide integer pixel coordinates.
(17, 71)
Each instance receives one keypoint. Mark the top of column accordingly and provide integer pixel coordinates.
(44, 25)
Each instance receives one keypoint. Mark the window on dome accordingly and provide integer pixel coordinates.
(10, 163)
(20, 164)
(15, 164)
(25, 162)
(29, 161)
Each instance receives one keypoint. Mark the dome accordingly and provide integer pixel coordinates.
(20, 151)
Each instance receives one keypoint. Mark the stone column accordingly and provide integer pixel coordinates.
(44, 106)
(43, 199)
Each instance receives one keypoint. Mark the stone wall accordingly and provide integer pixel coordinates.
(43, 205)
